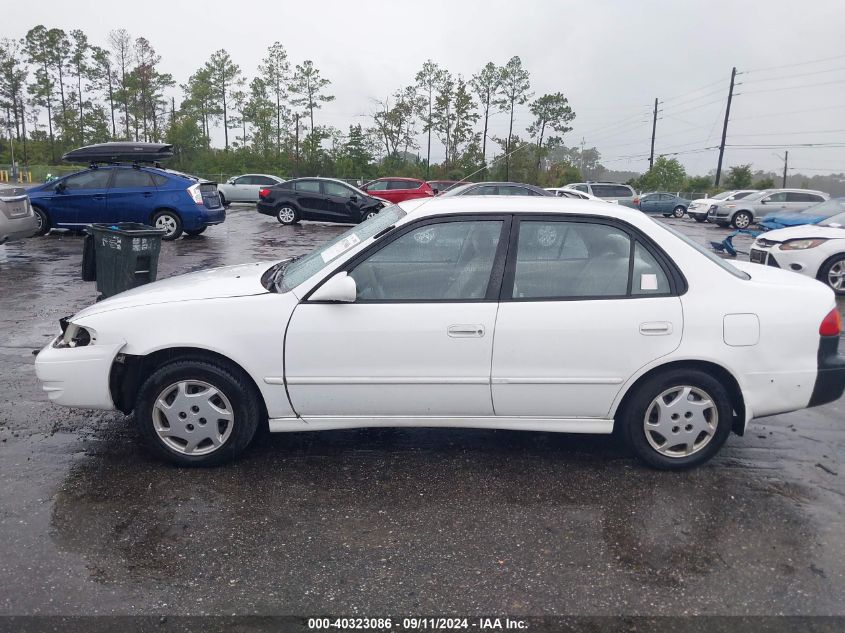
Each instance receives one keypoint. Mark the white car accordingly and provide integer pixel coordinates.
(815, 250)
(567, 192)
(245, 188)
(699, 207)
(527, 313)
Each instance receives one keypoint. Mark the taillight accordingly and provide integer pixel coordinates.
(832, 324)
(636, 200)
(195, 193)
(263, 193)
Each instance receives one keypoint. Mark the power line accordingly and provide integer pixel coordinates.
(779, 77)
(805, 63)
(824, 83)
(772, 114)
(793, 133)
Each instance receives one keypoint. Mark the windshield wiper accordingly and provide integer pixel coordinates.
(281, 267)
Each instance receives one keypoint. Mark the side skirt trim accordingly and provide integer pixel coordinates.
(557, 425)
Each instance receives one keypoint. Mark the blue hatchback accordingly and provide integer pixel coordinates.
(110, 193)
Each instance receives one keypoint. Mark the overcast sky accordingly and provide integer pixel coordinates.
(611, 59)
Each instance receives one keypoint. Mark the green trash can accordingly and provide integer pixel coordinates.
(125, 255)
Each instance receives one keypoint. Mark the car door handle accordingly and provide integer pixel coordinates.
(99, 196)
(655, 328)
(147, 194)
(465, 331)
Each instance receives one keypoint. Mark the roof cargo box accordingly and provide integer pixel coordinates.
(120, 152)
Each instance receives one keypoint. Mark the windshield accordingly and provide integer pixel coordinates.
(722, 196)
(301, 269)
(456, 191)
(836, 221)
(736, 272)
(756, 196)
(826, 209)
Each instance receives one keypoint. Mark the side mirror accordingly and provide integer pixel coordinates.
(340, 288)
(353, 198)
(764, 202)
(231, 181)
(61, 186)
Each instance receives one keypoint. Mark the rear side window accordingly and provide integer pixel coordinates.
(561, 260)
(648, 277)
(263, 180)
(581, 188)
(159, 180)
(311, 186)
(336, 189)
(803, 197)
(401, 184)
(131, 179)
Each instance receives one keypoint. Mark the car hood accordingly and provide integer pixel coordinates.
(215, 283)
(777, 276)
(780, 220)
(805, 231)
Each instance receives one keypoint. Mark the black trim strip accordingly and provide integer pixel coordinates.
(830, 381)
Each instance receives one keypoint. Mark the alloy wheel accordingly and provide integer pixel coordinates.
(681, 421)
(678, 212)
(168, 223)
(192, 417)
(742, 220)
(287, 215)
(836, 276)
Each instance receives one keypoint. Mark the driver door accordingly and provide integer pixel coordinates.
(418, 340)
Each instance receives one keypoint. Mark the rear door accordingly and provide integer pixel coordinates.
(82, 199)
(584, 305)
(130, 196)
(310, 198)
(798, 201)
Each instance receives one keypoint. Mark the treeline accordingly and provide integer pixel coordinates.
(58, 91)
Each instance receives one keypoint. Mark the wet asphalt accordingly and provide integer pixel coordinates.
(369, 522)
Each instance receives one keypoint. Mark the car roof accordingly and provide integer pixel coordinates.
(518, 204)
(398, 178)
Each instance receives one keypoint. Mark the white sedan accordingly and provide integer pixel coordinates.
(245, 188)
(526, 313)
(815, 250)
(569, 192)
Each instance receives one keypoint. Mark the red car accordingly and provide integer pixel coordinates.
(398, 189)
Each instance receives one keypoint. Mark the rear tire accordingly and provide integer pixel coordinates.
(174, 408)
(697, 219)
(223, 199)
(695, 425)
(44, 222)
(170, 222)
(742, 220)
(679, 211)
(287, 215)
(832, 273)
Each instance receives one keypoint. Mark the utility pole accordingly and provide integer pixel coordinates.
(296, 164)
(785, 163)
(653, 131)
(725, 127)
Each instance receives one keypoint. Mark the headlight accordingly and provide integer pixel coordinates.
(730, 206)
(713, 207)
(74, 335)
(800, 245)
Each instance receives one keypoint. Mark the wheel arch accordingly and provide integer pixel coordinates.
(126, 377)
(719, 372)
(159, 209)
(826, 261)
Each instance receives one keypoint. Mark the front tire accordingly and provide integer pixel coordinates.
(679, 211)
(223, 200)
(677, 419)
(832, 273)
(700, 219)
(287, 215)
(170, 222)
(742, 220)
(197, 413)
(44, 223)
(195, 232)
(367, 215)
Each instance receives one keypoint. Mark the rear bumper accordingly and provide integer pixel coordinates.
(18, 228)
(830, 382)
(266, 208)
(203, 216)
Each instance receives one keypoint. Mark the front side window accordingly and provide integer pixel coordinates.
(131, 179)
(776, 197)
(570, 259)
(243, 180)
(91, 179)
(446, 261)
(581, 188)
(308, 186)
(302, 269)
(378, 185)
(336, 189)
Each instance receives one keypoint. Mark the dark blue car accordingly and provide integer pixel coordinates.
(810, 215)
(110, 193)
